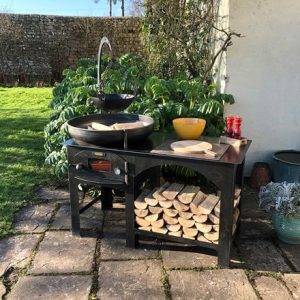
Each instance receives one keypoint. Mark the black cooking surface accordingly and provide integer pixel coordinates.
(148, 144)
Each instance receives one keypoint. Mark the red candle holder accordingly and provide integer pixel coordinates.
(237, 122)
(229, 126)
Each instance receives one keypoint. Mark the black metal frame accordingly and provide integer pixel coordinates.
(143, 164)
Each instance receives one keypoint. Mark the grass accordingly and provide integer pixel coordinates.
(23, 114)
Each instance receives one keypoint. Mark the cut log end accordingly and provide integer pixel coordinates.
(186, 223)
(158, 193)
(170, 220)
(180, 206)
(187, 195)
(141, 213)
(158, 224)
(172, 191)
(155, 209)
(152, 218)
(177, 233)
(208, 204)
(192, 232)
(170, 212)
(142, 222)
(174, 228)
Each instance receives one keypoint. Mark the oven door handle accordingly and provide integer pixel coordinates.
(126, 167)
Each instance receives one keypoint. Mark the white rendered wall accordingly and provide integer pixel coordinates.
(263, 71)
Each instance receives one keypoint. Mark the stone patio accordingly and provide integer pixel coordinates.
(44, 261)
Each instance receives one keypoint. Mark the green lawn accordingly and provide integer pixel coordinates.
(23, 115)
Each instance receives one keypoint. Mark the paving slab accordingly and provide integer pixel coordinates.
(114, 222)
(115, 217)
(130, 280)
(182, 256)
(60, 252)
(249, 208)
(262, 255)
(71, 287)
(293, 283)
(2, 289)
(113, 246)
(185, 258)
(15, 251)
(255, 228)
(92, 218)
(211, 284)
(34, 218)
(270, 288)
(119, 230)
(47, 193)
(293, 254)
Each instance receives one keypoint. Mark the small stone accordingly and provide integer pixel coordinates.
(34, 218)
(15, 251)
(46, 193)
(211, 284)
(60, 252)
(71, 287)
(261, 255)
(92, 218)
(293, 254)
(130, 280)
(271, 288)
(293, 283)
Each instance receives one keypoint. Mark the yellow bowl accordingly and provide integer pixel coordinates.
(189, 128)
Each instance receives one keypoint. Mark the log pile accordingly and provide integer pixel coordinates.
(182, 211)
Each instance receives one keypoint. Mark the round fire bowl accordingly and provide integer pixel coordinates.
(80, 129)
(112, 102)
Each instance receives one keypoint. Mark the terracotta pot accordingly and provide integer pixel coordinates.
(260, 175)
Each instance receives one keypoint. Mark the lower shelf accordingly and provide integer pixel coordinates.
(177, 239)
(183, 212)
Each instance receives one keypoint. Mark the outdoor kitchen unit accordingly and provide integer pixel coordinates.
(128, 158)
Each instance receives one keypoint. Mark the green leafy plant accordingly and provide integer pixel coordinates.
(69, 100)
(282, 197)
(165, 100)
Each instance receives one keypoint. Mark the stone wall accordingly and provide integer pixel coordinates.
(34, 49)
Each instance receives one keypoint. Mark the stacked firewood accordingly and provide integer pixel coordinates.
(182, 211)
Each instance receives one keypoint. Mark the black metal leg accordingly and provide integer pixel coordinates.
(226, 219)
(74, 201)
(130, 196)
(106, 198)
(240, 182)
(240, 174)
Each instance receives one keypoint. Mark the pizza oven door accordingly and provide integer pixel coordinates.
(97, 167)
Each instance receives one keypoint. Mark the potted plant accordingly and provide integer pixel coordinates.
(283, 199)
